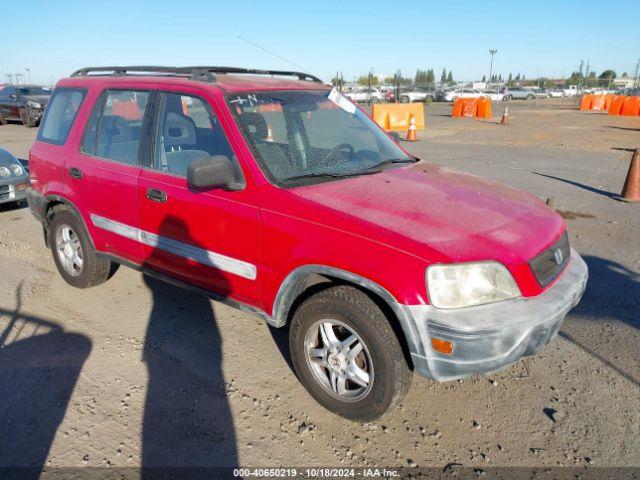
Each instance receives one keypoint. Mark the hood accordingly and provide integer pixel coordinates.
(436, 213)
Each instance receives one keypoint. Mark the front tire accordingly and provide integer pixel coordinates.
(347, 355)
(27, 118)
(73, 252)
(405, 99)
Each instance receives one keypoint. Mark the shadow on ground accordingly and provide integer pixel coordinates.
(612, 294)
(187, 420)
(579, 185)
(39, 366)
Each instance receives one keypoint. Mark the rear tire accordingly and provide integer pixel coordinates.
(373, 359)
(405, 99)
(73, 252)
(2, 120)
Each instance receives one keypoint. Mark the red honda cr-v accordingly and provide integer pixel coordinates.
(270, 191)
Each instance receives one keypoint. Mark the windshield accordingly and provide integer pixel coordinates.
(305, 137)
(34, 91)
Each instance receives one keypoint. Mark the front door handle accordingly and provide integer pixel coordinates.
(156, 195)
(75, 173)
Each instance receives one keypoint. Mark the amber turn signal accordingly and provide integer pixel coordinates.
(442, 346)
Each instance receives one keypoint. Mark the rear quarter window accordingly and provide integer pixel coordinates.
(61, 113)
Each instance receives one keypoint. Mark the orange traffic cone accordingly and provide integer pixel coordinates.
(505, 116)
(411, 132)
(631, 189)
(269, 133)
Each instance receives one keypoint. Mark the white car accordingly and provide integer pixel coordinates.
(555, 93)
(364, 95)
(494, 95)
(414, 94)
(452, 95)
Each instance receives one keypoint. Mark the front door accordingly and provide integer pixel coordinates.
(209, 238)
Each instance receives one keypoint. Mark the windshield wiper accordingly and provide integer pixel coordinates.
(376, 168)
(367, 171)
(330, 175)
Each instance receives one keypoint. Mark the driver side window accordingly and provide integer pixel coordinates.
(187, 130)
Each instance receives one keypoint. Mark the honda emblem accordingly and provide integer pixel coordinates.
(558, 256)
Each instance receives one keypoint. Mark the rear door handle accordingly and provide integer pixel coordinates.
(75, 173)
(156, 195)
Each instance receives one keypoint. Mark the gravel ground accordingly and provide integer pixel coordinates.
(134, 372)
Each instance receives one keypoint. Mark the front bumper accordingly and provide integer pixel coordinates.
(491, 337)
(12, 189)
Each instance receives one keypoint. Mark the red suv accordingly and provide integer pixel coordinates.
(274, 193)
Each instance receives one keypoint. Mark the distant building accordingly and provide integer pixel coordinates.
(623, 82)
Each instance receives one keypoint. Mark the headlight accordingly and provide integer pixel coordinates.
(16, 169)
(468, 284)
(33, 104)
(4, 172)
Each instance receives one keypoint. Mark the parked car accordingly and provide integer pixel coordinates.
(283, 198)
(14, 178)
(572, 91)
(519, 93)
(452, 95)
(494, 95)
(25, 103)
(415, 94)
(556, 93)
(542, 93)
(364, 95)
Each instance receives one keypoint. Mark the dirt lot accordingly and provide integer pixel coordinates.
(137, 373)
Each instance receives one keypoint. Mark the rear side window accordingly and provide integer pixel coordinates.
(113, 130)
(61, 113)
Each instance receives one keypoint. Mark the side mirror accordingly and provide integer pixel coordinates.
(395, 136)
(211, 172)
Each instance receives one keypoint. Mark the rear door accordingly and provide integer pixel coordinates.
(210, 238)
(102, 174)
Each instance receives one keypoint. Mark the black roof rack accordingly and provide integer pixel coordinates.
(196, 73)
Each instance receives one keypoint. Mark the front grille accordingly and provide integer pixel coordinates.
(5, 192)
(550, 263)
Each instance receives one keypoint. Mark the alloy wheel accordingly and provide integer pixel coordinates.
(339, 359)
(69, 250)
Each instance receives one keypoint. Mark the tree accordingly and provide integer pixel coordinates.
(389, 80)
(421, 77)
(450, 78)
(364, 80)
(606, 77)
(431, 77)
(624, 75)
(443, 77)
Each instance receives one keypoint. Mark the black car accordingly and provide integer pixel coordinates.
(23, 102)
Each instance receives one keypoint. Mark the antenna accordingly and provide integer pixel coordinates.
(270, 52)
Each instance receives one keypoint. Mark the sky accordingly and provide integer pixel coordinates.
(541, 38)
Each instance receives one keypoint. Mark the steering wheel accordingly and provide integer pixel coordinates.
(334, 150)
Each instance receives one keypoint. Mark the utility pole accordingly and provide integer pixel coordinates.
(9, 76)
(635, 80)
(492, 51)
(28, 70)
